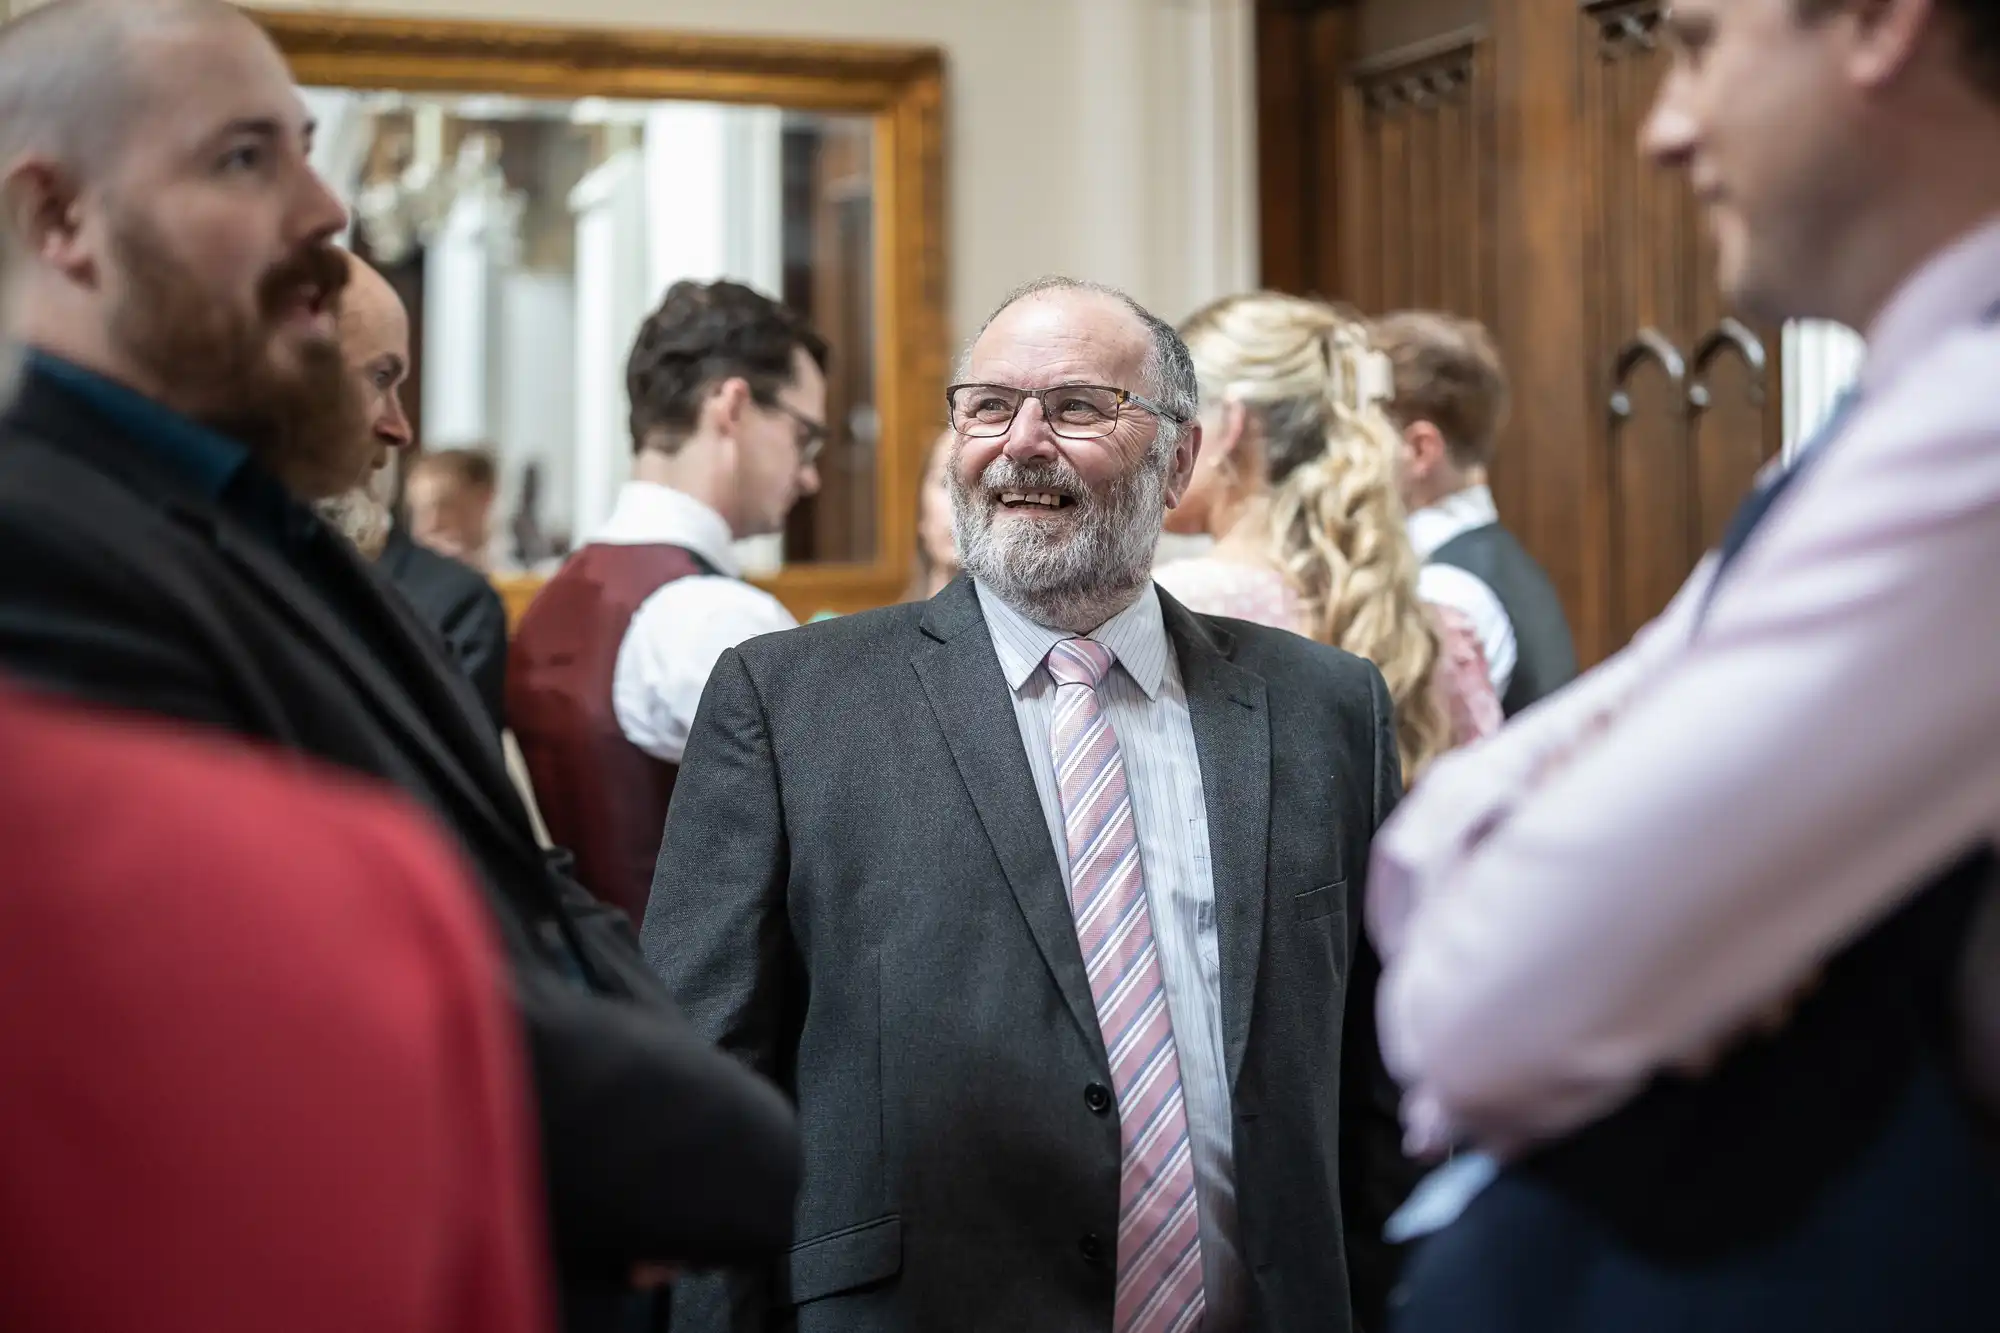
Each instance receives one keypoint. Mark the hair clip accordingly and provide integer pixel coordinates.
(1374, 378)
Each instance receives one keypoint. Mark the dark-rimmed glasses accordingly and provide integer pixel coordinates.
(1073, 411)
(811, 434)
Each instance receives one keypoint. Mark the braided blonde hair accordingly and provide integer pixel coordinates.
(1308, 377)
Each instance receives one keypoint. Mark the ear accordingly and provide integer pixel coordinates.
(1887, 35)
(726, 406)
(45, 215)
(1186, 450)
(1423, 448)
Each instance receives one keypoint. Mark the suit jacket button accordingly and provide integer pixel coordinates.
(1092, 1248)
(1098, 1098)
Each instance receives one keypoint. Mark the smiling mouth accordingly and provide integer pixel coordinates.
(1034, 500)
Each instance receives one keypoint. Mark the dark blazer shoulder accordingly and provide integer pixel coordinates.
(436, 581)
(833, 643)
(1281, 655)
(77, 527)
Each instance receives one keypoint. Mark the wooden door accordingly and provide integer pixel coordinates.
(1481, 157)
(1688, 416)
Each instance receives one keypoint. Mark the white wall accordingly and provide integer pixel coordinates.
(536, 402)
(1108, 139)
(609, 205)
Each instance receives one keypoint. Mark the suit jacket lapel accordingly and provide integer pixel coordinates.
(1232, 735)
(974, 708)
(293, 598)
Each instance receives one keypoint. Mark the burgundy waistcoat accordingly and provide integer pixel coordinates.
(600, 795)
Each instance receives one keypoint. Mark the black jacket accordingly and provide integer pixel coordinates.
(455, 600)
(122, 581)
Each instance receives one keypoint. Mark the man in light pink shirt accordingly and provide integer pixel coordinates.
(1624, 907)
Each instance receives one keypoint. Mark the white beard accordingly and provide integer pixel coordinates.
(1080, 579)
(362, 514)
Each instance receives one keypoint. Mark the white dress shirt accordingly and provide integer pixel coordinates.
(1146, 706)
(1616, 883)
(680, 631)
(1465, 592)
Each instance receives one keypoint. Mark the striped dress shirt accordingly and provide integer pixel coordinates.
(1146, 705)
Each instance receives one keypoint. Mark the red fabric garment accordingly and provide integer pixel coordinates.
(258, 1070)
(600, 795)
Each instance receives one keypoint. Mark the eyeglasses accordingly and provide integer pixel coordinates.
(1073, 411)
(811, 434)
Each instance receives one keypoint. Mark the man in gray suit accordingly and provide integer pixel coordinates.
(1043, 899)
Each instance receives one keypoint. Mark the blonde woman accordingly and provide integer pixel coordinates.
(1296, 483)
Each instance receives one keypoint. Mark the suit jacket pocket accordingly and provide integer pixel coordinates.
(843, 1260)
(1323, 901)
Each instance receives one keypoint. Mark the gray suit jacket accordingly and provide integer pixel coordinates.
(857, 895)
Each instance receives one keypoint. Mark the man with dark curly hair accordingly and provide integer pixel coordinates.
(728, 393)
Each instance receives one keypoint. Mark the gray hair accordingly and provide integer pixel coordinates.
(1169, 369)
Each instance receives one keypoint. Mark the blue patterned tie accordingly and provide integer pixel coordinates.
(1757, 504)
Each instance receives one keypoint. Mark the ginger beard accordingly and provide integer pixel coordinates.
(303, 422)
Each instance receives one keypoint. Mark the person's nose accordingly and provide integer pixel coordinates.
(392, 427)
(1669, 132)
(319, 215)
(1029, 439)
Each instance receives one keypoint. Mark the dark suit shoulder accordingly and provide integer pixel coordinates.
(438, 585)
(71, 531)
(1280, 655)
(834, 645)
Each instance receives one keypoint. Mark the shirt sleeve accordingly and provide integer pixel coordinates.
(672, 645)
(1471, 596)
(1467, 792)
(1754, 799)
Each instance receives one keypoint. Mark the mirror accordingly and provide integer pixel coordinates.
(532, 192)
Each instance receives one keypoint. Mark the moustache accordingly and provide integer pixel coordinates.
(1055, 478)
(319, 271)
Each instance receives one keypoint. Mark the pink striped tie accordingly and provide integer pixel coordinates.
(1159, 1240)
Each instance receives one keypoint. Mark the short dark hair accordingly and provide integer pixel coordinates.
(1446, 371)
(1979, 31)
(702, 334)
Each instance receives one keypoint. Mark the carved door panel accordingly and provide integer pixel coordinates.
(1416, 179)
(1688, 415)
(1483, 158)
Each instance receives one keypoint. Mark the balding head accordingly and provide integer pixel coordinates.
(75, 75)
(375, 343)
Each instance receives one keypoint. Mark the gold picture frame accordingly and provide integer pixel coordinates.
(901, 87)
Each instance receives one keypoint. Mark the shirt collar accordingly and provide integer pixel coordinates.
(1461, 511)
(1136, 636)
(212, 460)
(649, 514)
(1955, 286)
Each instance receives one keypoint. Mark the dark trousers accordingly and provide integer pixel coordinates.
(1906, 1239)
